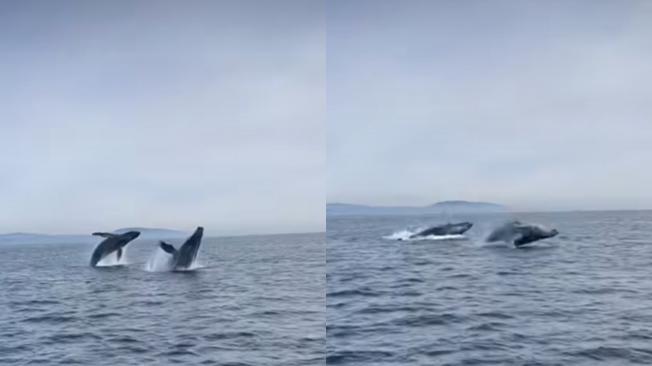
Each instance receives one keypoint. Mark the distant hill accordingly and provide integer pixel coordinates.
(35, 238)
(155, 233)
(469, 206)
(31, 238)
(444, 207)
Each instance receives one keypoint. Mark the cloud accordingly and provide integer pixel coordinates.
(535, 105)
(159, 113)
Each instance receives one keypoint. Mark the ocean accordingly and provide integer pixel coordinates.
(583, 297)
(255, 300)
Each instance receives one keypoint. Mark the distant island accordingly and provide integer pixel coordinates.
(155, 233)
(36, 238)
(444, 207)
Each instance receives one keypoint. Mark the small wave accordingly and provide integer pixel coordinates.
(352, 357)
(606, 353)
(387, 309)
(72, 337)
(425, 320)
(49, 319)
(509, 273)
(355, 292)
(486, 327)
(228, 335)
(603, 291)
(134, 349)
(34, 302)
(124, 339)
(438, 353)
(495, 314)
(103, 315)
(179, 352)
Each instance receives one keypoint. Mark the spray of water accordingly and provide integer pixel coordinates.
(112, 260)
(405, 235)
(158, 262)
(161, 261)
(194, 266)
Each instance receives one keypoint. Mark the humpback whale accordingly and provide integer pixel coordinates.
(520, 234)
(448, 229)
(184, 257)
(112, 243)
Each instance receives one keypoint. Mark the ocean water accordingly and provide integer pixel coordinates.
(256, 300)
(581, 298)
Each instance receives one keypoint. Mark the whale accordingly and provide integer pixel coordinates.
(111, 243)
(448, 229)
(520, 234)
(184, 257)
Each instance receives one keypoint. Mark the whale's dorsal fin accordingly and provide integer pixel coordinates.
(104, 235)
(168, 248)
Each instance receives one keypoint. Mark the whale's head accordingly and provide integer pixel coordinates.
(544, 233)
(466, 225)
(461, 228)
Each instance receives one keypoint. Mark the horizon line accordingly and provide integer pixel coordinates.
(180, 231)
(508, 208)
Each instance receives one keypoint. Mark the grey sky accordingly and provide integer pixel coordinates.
(540, 105)
(162, 113)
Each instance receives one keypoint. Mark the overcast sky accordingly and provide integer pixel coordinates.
(540, 105)
(162, 113)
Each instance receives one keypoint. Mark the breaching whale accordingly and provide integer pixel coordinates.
(448, 229)
(184, 257)
(520, 234)
(112, 243)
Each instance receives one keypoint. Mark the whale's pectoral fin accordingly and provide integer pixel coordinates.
(168, 248)
(523, 239)
(119, 252)
(104, 235)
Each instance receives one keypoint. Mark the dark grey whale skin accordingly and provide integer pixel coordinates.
(448, 229)
(111, 243)
(520, 234)
(183, 258)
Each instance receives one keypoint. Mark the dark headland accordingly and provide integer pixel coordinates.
(36, 238)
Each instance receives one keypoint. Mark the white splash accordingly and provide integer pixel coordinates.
(161, 261)
(158, 262)
(405, 235)
(441, 237)
(194, 266)
(111, 260)
(399, 235)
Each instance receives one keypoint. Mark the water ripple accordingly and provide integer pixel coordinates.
(259, 301)
(579, 299)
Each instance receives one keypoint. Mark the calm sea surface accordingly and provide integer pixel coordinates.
(581, 298)
(258, 300)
